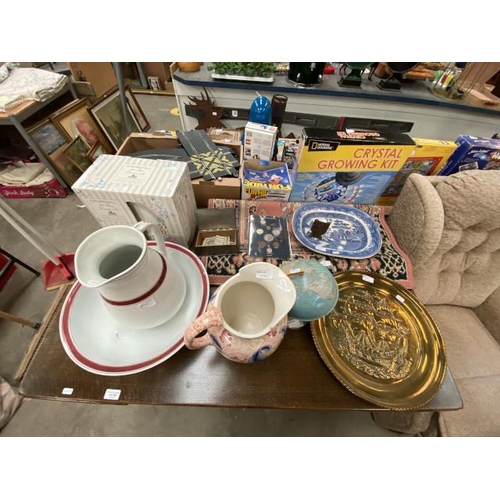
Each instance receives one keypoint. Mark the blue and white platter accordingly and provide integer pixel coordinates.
(351, 234)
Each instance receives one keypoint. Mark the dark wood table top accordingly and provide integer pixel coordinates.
(294, 377)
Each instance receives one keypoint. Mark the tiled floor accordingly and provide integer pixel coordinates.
(65, 224)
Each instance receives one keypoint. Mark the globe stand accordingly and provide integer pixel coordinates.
(391, 83)
(353, 79)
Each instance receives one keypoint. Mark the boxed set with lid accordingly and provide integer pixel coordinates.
(121, 190)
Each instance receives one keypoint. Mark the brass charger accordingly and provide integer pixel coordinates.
(381, 343)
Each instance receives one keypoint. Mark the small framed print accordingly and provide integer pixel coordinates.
(96, 151)
(64, 167)
(48, 136)
(154, 83)
(76, 151)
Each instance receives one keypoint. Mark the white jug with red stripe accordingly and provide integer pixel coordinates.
(140, 286)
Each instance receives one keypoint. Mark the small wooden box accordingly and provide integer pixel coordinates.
(216, 222)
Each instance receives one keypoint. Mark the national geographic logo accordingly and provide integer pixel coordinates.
(322, 145)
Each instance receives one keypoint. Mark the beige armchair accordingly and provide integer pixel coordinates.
(450, 228)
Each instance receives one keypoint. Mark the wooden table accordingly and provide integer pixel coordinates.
(294, 377)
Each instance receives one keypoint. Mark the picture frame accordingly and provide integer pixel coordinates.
(108, 114)
(76, 151)
(95, 152)
(64, 167)
(75, 120)
(137, 110)
(48, 136)
(154, 83)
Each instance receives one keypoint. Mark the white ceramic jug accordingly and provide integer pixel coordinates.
(141, 288)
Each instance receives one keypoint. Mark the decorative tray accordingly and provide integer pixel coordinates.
(380, 342)
(349, 233)
(264, 79)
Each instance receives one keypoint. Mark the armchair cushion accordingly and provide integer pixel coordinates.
(471, 350)
(467, 261)
(480, 415)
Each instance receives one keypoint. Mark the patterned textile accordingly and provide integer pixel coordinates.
(23, 84)
(390, 261)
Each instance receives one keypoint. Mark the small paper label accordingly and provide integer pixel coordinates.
(294, 323)
(401, 299)
(264, 275)
(284, 285)
(147, 304)
(369, 279)
(113, 394)
(133, 175)
(67, 391)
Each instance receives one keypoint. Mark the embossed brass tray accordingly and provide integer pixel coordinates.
(381, 343)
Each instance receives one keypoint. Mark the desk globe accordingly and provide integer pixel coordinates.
(317, 290)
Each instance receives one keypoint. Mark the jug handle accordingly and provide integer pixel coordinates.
(160, 241)
(212, 317)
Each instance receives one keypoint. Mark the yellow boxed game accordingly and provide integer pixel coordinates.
(346, 166)
(324, 150)
(429, 158)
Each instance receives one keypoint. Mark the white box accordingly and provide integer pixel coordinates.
(259, 141)
(123, 190)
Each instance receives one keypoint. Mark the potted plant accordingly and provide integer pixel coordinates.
(246, 69)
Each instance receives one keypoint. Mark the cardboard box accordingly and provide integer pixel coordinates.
(338, 166)
(428, 158)
(159, 70)
(227, 187)
(225, 137)
(123, 190)
(287, 151)
(101, 75)
(270, 184)
(259, 141)
(473, 153)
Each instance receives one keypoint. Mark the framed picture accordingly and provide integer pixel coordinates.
(76, 151)
(64, 167)
(108, 114)
(154, 83)
(74, 120)
(137, 110)
(95, 152)
(48, 136)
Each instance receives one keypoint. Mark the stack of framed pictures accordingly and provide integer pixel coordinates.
(52, 141)
(74, 136)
